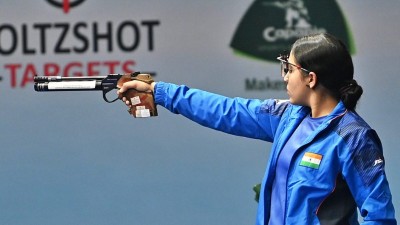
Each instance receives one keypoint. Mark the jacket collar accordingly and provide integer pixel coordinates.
(299, 112)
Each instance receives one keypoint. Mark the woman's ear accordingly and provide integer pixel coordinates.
(312, 80)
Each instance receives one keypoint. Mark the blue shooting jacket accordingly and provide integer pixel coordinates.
(347, 174)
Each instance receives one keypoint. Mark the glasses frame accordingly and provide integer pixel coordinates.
(285, 68)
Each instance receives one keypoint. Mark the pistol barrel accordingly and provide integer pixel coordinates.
(86, 85)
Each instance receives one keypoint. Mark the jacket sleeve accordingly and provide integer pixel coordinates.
(365, 174)
(243, 117)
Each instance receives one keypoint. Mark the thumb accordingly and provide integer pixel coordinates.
(127, 85)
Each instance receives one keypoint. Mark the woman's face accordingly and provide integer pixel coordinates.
(297, 80)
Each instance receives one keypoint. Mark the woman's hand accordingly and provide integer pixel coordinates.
(137, 85)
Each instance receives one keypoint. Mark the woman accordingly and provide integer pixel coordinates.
(325, 160)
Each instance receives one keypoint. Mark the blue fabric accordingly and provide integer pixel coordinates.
(278, 195)
(341, 139)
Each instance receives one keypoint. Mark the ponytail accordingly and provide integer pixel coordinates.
(350, 93)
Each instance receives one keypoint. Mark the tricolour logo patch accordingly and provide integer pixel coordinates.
(311, 160)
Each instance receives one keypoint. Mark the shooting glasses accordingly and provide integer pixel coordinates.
(285, 65)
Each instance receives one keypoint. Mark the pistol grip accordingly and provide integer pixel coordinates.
(142, 103)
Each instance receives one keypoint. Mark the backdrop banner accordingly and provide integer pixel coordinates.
(71, 158)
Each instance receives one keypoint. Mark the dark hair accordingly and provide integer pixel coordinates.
(329, 59)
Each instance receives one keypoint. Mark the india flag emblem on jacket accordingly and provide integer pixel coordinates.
(311, 160)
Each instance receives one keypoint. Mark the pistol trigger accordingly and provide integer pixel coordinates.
(105, 97)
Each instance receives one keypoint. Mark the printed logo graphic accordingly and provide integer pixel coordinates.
(378, 161)
(270, 27)
(66, 5)
(311, 160)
